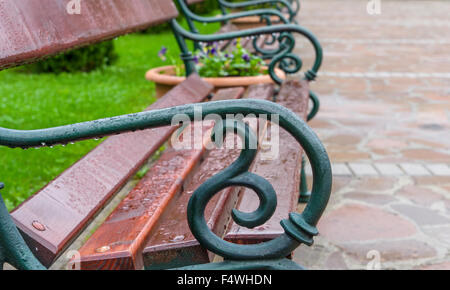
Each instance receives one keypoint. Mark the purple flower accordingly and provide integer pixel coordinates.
(213, 51)
(162, 53)
(228, 55)
(196, 59)
(246, 57)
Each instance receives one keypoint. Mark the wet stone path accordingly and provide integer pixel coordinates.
(385, 121)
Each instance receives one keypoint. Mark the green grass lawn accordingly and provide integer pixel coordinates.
(33, 101)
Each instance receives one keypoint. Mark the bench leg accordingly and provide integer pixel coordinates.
(316, 105)
(13, 248)
(304, 193)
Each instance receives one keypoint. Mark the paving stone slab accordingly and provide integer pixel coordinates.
(385, 104)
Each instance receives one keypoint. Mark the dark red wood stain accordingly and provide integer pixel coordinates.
(115, 244)
(68, 203)
(126, 230)
(283, 173)
(31, 29)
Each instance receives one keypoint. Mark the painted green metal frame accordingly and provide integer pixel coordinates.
(299, 228)
(224, 18)
(279, 4)
(191, 17)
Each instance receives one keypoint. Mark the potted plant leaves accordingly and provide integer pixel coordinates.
(233, 68)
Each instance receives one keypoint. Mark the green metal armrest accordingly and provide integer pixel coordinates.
(280, 4)
(299, 228)
(224, 18)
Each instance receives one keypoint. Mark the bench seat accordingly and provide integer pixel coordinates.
(172, 243)
(66, 205)
(117, 244)
(158, 236)
(139, 229)
(283, 172)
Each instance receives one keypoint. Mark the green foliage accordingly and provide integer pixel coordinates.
(83, 59)
(239, 62)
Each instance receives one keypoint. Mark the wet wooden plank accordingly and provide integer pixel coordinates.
(117, 244)
(282, 171)
(171, 243)
(68, 203)
(31, 29)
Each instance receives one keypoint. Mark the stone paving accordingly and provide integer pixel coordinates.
(385, 121)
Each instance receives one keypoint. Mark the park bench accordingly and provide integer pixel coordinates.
(267, 16)
(289, 8)
(45, 225)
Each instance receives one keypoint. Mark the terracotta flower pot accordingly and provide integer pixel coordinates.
(165, 79)
(250, 22)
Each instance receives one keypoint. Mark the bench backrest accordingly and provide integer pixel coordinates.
(30, 29)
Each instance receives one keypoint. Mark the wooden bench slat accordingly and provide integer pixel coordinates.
(40, 28)
(125, 231)
(66, 204)
(293, 95)
(116, 243)
(172, 244)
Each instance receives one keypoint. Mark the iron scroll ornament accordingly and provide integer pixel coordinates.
(280, 4)
(299, 228)
(279, 56)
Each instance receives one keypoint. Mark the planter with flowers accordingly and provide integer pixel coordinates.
(236, 68)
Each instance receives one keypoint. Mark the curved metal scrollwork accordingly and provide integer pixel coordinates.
(264, 13)
(299, 228)
(279, 4)
(292, 63)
